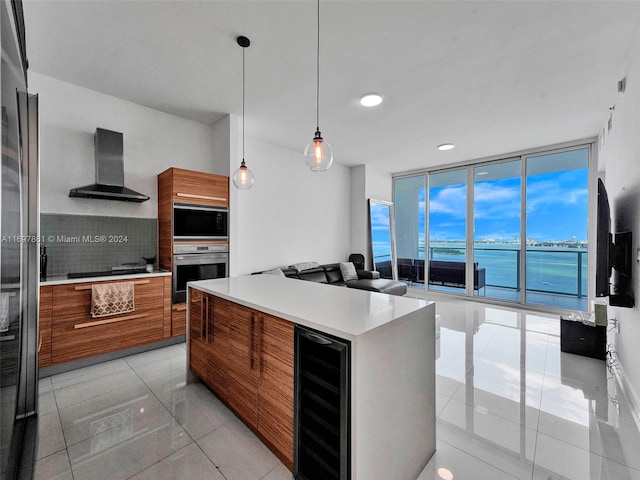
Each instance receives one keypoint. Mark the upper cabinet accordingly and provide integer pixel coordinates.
(178, 185)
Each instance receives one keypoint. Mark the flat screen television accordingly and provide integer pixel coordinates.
(603, 243)
(613, 257)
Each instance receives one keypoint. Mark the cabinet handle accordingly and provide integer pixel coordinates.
(88, 287)
(39, 342)
(260, 344)
(203, 311)
(251, 331)
(111, 320)
(181, 308)
(211, 322)
(201, 197)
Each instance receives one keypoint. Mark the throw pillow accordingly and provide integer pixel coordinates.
(276, 271)
(348, 271)
(298, 267)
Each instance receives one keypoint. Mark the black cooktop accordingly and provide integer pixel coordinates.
(106, 273)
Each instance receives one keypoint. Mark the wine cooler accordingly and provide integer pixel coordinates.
(322, 405)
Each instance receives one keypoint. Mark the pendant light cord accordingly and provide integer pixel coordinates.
(318, 73)
(243, 49)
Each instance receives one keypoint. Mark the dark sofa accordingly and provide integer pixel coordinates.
(452, 274)
(331, 274)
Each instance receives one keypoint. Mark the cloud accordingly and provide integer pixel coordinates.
(497, 200)
(449, 201)
(556, 190)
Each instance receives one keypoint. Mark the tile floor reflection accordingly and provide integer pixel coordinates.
(510, 405)
(137, 418)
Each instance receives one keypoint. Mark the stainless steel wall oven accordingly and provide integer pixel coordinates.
(197, 262)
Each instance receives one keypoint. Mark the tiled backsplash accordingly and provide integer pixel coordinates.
(85, 243)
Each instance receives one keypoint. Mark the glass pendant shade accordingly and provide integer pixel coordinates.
(318, 154)
(243, 177)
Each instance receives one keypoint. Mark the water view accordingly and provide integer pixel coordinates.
(553, 269)
(527, 217)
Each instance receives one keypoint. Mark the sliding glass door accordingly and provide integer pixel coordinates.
(556, 247)
(497, 209)
(447, 246)
(410, 220)
(526, 237)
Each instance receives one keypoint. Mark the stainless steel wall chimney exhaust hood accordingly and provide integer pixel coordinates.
(109, 171)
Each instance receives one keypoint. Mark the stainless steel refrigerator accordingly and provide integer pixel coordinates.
(19, 254)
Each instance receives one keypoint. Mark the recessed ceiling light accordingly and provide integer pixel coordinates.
(446, 146)
(371, 100)
(445, 474)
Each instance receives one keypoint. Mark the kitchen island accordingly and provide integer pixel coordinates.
(391, 386)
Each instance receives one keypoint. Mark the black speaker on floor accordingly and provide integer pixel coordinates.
(581, 339)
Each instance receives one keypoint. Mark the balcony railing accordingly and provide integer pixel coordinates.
(549, 270)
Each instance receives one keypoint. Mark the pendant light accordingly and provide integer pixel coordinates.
(318, 153)
(243, 177)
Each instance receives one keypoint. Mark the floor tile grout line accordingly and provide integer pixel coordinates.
(209, 458)
(535, 445)
(482, 460)
(64, 437)
(161, 459)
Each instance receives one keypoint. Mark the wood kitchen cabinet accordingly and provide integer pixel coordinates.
(275, 389)
(218, 337)
(76, 334)
(177, 185)
(197, 341)
(44, 326)
(178, 318)
(208, 335)
(200, 188)
(246, 358)
(243, 368)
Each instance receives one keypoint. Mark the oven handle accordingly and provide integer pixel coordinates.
(205, 208)
(200, 258)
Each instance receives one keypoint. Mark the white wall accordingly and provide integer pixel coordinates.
(359, 214)
(153, 142)
(291, 214)
(222, 154)
(620, 157)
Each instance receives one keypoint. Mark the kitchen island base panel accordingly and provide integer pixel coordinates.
(393, 399)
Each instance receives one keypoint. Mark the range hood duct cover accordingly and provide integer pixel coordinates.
(109, 171)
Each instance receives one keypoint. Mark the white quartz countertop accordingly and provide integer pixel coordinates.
(62, 279)
(344, 312)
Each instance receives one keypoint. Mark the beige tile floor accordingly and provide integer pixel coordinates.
(510, 405)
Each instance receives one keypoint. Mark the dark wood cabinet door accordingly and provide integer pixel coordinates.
(243, 366)
(218, 345)
(198, 358)
(275, 404)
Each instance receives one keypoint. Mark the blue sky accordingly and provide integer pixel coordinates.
(556, 208)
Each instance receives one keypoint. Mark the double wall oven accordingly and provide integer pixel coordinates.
(200, 246)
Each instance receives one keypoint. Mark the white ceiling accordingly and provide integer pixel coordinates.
(491, 77)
